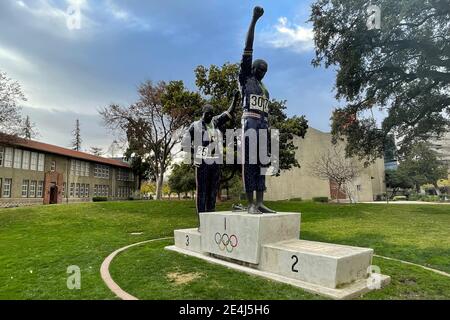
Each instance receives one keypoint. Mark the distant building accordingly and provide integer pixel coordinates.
(301, 183)
(442, 148)
(32, 172)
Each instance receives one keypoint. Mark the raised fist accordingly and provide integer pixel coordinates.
(258, 12)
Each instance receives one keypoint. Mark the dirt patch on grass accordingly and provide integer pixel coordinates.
(183, 278)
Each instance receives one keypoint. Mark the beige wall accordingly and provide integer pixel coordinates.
(301, 183)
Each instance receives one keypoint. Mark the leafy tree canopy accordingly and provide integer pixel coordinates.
(401, 67)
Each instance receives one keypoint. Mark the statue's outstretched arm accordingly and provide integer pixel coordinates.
(257, 13)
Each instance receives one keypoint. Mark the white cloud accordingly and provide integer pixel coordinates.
(289, 36)
(15, 60)
(125, 16)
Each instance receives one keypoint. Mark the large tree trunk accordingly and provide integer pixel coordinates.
(159, 186)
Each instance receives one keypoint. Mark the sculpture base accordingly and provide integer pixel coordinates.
(269, 246)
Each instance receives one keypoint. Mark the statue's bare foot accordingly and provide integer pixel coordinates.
(252, 209)
(264, 209)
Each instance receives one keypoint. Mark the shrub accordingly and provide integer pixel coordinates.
(320, 199)
(399, 198)
(296, 199)
(99, 199)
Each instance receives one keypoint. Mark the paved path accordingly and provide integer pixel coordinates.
(106, 276)
(407, 202)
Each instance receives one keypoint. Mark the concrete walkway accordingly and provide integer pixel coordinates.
(407, 202)
(106, 276)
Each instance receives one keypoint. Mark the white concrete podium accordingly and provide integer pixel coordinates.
(268, 245)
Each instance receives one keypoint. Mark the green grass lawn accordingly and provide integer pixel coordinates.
(38, 244)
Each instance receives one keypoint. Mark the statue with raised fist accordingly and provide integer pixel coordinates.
(255, 117)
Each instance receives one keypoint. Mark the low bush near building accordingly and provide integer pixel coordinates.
(320, 199)
(296, 199)
(99, 199)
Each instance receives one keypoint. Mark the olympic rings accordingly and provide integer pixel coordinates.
(226, 242)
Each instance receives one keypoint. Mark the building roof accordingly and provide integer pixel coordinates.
(49, 148)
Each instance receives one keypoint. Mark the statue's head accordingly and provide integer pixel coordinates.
(259, 69)
(207, 113)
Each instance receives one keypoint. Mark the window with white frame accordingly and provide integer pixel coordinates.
(34, 161)
(78, 168)
(95, 190)
(77, 190)
(32, 191)
(101, 171)
(26, 160)
(72, 189)
(25, 184)
(7, 188)
(86, 191)
(41, 162)
(82, 190)
(72, 167)
(17, 158)
(40, 189)
(8, 157)
(64, 189)
(53, 166)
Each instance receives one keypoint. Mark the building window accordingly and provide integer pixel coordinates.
(87, 169)
(34, 161)
(101, 171)
(64, 189)
(82, 190)
(53, 167)
(72, 167)
(2, 153)
(72, 187)
(25, 184)
(32, 193)
(41, 162)
(26, 160)
(359, 187)
(78, 168)
(77, 190)
(86, 191)
(7, 188)
(8, 157)
(40, 189)
(17, 158)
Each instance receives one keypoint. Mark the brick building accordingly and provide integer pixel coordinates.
(32, 172)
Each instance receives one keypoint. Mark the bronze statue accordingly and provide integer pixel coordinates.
(255, 117)
(203, 141)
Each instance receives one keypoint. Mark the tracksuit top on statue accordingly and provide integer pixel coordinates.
(255, 104)
(213, 130)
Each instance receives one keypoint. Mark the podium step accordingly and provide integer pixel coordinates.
(325, 264)
(188, 239)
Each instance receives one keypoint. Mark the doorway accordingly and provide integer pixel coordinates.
(53, 194)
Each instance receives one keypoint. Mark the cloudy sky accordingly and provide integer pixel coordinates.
(68, 72)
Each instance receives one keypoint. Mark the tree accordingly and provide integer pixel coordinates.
(10, 112)
(153, 124)
(333, 166)
(182, 179)
(28, 129)
(423, 166)
(97, 151)
(218, 84)
(401, 67)
(76, 142)
(148, 188)
(398, 179)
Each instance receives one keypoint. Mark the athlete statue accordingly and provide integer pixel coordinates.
(255, 116)
(204, 141)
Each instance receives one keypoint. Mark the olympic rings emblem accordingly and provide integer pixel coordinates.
(226, 242)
